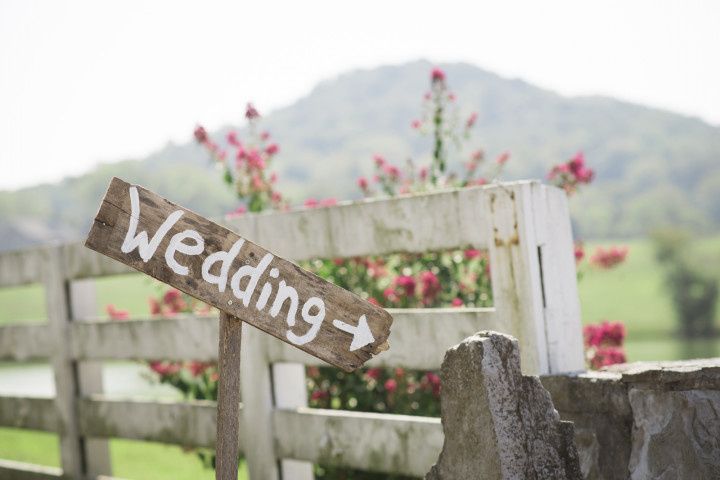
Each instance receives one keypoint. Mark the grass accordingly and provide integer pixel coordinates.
(130, 459)
(633, 293)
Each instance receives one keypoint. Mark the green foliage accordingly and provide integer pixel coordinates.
(693, 289)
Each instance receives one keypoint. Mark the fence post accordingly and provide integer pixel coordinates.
(533, 275)
(257, 406)
(83, 306)
(57, 297)
(559, 279)
(290, 390)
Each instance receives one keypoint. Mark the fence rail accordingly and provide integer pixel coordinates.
(524, 226)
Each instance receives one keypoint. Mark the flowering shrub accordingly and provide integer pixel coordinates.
(245, 165)
(604, 344)
(608, 258)
(571, 174)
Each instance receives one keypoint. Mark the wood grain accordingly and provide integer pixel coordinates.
(331, 344)
(227, 447)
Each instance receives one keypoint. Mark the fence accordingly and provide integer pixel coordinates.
(524, 226)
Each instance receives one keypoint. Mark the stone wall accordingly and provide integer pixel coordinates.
(644, 420)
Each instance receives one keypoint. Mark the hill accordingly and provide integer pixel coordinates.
(653, 167)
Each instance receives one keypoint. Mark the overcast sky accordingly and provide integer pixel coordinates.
(89, 81)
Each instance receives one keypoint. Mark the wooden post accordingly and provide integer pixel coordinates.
(83, 307)
(533, 275)
(290, 388)
(228, 405)
(72, 458)
(257, 396)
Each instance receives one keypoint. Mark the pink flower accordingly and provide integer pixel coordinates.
(379, 160)
(399, 372)
(607, 356)
(255, 160)
(391, 171)
(430, 287)
(165, 368)
(174, 299)
(416, 124)
(251, 112)
(604, 334)
(407, 284)
(390, 385)
(232, 139)
(451, 97)
(471, 253)
(257, 182)
(579, 252)
(240, 210)
(116, 314)
(200, 134)
(503, 158)
(264, 136)
(609, 258)
(319, 394)
(311, 203)
(457, 302)
(328, 202)
(155, 307)
(373, 373)
(471, 120)
(477, 155)
(390, 294)
(272, 149)
(197, 368)
(362, 183)
(437, 75)
(423, 174)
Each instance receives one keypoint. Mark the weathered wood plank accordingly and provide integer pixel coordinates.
(419, 337)
(373, 227)
(173, 338)
(25, 342)
(228, 402)
(21, 267)
(28, 412)
(195, 337)
(11, 470)
(397, 444)
(408, 224)
(338, 326)
(183, 423)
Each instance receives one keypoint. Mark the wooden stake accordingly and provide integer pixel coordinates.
(228, 404)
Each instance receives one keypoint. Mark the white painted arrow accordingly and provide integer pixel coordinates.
(361, 334)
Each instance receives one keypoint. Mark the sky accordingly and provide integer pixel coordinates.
(83, 82)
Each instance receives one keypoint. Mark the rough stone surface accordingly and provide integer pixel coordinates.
(676, 434)
(499, 424)
(598, 405)
(645, 419)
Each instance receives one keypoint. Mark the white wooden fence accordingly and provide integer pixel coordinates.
(524, 226)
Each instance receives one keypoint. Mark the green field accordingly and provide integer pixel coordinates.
(633, 293)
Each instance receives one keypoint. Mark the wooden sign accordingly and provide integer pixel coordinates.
(215, 265)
